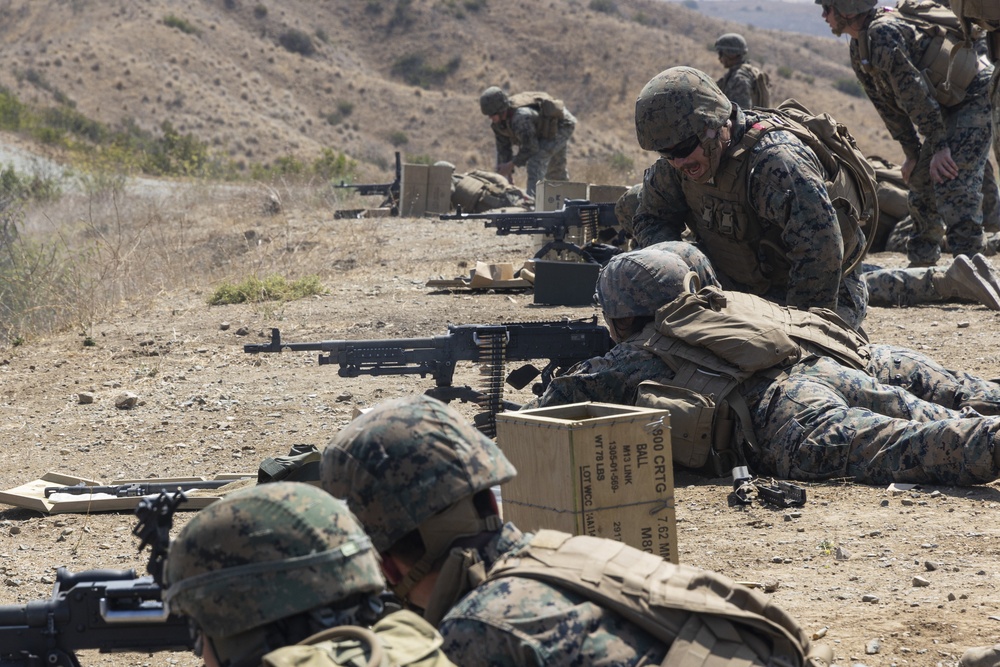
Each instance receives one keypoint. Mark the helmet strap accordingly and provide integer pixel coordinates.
(715, 143)
(439, 532)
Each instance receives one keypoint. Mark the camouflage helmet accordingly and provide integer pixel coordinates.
(637, 283)
(493, 101)
(731, 44)
(849, 7)
(407, 460)
(677, 104)
(627, 205)
(265, 553)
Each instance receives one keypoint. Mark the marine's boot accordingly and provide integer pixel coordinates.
(981, 656)
(986, 270)
(963, 281)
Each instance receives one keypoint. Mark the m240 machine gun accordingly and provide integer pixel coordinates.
(388, 191)
(563, 343)
(596, 222)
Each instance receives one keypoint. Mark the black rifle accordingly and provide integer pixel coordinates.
(596, 221)
(107, 610)
(135, 489)
(389, 191)
(563, 343)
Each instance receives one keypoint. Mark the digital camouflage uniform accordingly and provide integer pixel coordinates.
(787, 191)
(405, 461)
(963, 280)
(922, 126)
(544, 159)
(821, 419)
(738, 85)
(243, 568)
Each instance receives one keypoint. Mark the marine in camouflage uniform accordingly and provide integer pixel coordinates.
(819, 419)
(738, 81)
(800, 255)
(282, 575)
(419, 477)
(946, 146)
(965, 280)
(480, 190)
(543, 158)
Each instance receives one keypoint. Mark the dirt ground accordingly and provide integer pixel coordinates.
(919, 583)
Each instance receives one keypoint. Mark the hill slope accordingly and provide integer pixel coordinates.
(388, 73)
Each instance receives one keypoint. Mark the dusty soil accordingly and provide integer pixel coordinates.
(205, 407)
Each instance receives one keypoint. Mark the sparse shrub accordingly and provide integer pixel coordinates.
(296, 41)
(184, 26)
(12, 111)
(398, 138)
(333, 165)
(402, 16)
(416, 71)
(345, 107)
(474, 5)
(621, 163)
(422, 158)
(271, 288)
(785, 72)
(230, 4)
(690, 4)
(850, 86)
(20, 188)
(260, 11)
(175, 154)
(604, 6)
(322, 36)
(373, 7)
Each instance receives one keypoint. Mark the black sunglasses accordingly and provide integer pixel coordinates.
(681, 150)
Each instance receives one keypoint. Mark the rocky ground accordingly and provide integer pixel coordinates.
(885, 577)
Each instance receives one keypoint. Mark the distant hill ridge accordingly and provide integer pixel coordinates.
(382, 75)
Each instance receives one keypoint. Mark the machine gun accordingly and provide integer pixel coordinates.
(107, 610)
(135, 489)
(597, 224)
(563, 343)
(388, 191)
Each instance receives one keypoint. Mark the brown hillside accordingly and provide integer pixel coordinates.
(230, 82)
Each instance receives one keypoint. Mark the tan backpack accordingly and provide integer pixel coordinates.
(988, 10)
(706, 619)
(761, 91)
(550, 110)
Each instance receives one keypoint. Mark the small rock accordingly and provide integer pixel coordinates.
(964, 324)
(929, 566)
(126, 401)
(906, 502)
(920, 582)
(868, 597)
(841, 554)
(15, 530)
(224, 326)
(242, 331)
(951, 597)
(873, 647)
(84, 398)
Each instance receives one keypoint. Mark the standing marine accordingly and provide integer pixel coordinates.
(745, 84)
(539, 125)
(931, 92)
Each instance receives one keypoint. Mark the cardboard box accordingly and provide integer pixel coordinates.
(413, 190)
(603, 194)
(424, 190)
(565, 283)
(592, 469)
(550, 195)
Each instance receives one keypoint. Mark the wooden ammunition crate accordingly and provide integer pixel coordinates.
(592, 469)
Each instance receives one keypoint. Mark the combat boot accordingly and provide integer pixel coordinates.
(986, 270)
(963, 281)
(981, 656)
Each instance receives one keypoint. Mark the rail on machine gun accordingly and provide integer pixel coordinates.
(597, 224)
(388, 191)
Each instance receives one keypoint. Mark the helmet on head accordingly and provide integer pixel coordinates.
(849, 7)
(731, 44)
(266, 553)
(407, 460)
(637, 283)
(627, 205)
(493, 101)
(677, 104)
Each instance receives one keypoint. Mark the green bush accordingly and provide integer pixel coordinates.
(604, 6)
(849, 86)
(334, 166)
(785, 72)
(416, 71)
(621, 162)
(260, 11)
(398, 138)
(296, 41)
(271, 288)
(172, 21)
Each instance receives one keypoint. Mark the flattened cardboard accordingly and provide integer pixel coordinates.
(31, 495)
